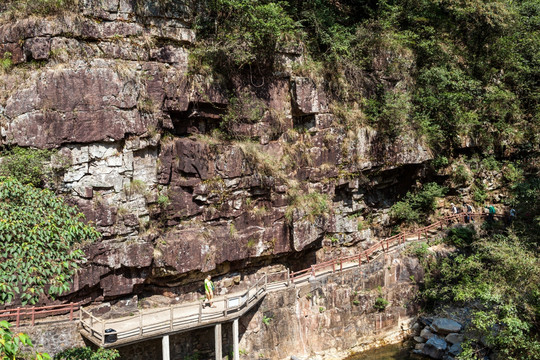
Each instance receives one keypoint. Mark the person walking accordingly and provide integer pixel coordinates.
(491, 214)
(454, 212)
(512, 216)
(209, 290)
(470, 211)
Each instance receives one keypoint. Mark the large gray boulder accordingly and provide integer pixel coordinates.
(446, 326)
(426, 334)
(435, 347)
(455, 349)
(454, 338)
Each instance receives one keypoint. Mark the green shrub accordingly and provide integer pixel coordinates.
(461, 236)
(238, 33)
(11, 345)
(28, 166)
(310, 206)
(266, 320)
(40, 236)
(86, 353)
(479, 193)
(512, 174)
(440, 162)
(163, 201)
(38, 7)
(461, 175)
(244, 108)
(380, 304)
(6, 62)
(491, 164)
(414, 205)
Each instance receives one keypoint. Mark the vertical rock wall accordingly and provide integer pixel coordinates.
(108, 87)
(334, 315)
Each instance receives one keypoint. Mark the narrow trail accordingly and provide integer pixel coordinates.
(162, 321)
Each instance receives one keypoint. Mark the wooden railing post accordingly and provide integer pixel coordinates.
(288, 276)
(367, 256)
(18, 317)
(140, 324)
(103, 332)
(333, 266)
(341, 266)
(70, 312)
(91, 325)
(226, 300)
(200, 311)
(33, 316)
(171, 316)
(312, 270)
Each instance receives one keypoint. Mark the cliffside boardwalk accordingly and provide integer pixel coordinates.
(162, 322)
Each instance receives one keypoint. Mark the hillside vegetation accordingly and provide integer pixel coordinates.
(475, 65)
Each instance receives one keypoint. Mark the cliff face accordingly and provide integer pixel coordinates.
(109, 87)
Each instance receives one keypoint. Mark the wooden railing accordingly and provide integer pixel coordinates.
(173, 318)
(231, 305)
(33, 313)
(384, 245)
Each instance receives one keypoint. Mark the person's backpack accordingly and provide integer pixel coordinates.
(492, 210)
(469, 208)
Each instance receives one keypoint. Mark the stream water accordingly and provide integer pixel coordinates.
(388, 352)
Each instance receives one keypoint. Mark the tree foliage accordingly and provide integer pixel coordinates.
(27, 165)
(497, 274)
(86, 353)
(39, 239)
(457, 72)
(11, 344)
(415, 204)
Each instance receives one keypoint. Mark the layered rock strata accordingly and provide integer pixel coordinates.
(109, 88)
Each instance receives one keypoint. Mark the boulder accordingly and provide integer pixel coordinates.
(454, 338)
(419, 339)
(455, 349)
(419, 347)
(446, 326)
(426, 334)
(435, 347)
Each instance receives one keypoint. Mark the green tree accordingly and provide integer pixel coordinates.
(40, 239)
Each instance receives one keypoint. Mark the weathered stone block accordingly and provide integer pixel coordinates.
(445, 326)
(435, 347)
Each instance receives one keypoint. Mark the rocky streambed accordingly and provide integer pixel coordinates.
(438, 338)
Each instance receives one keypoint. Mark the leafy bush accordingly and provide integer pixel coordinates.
(440, 162)
(310, 206)
(416, 204)
(512, 174)
(500, 274)
(461, 236)
(86, 353)
(238, 33)
(6, 62)
(12, 344)
(39, 239)
(38, 7)
(380, 304)
(29, 166)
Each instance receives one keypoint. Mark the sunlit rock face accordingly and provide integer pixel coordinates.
(109, 88)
